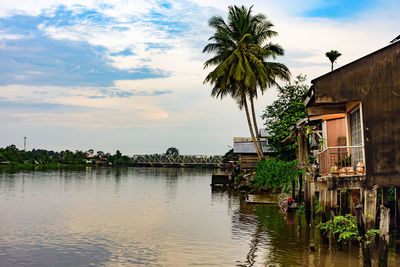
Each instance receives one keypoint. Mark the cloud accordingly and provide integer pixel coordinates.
(130, 73)
(39, 59)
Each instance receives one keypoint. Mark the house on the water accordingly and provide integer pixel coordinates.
(367, 92)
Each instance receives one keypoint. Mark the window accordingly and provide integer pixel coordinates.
(356, 136)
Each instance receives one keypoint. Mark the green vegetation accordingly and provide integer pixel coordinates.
(301, 209)
(240, 52)
(276, 174)
(332, 55)
(11, 155)
(283, 113)
(344, 229)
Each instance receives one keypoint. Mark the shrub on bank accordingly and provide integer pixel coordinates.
(275, 174)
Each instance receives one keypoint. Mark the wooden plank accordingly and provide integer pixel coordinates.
(260, 199)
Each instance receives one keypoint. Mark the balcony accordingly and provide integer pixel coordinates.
(342, 161)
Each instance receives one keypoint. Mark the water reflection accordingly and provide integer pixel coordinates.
(149, 216)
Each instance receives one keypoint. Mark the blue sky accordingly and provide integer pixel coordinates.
(344, 9)
(129, 75)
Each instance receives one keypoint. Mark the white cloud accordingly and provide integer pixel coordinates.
(188, 114)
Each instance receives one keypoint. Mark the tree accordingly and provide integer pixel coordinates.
(282, 114)
(172, 151)
(333, 55)
(240, 60)
(100, 154)
(90, 152)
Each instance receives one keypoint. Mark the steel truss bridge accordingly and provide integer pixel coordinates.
(177, 161)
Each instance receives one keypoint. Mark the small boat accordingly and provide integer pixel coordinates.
(286, 203)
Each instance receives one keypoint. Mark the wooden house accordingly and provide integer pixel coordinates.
(244, 147)
(367, 92)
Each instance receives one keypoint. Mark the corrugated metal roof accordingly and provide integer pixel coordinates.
(248, 148)
(245, 139)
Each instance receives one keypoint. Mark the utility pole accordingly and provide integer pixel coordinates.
(25, 144)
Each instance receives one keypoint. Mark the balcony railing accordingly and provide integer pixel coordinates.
(344, 160)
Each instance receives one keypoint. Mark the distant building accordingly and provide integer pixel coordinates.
(244, 147)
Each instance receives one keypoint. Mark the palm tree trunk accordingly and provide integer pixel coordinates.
(331, 66)
(250, 126)
(255, 127)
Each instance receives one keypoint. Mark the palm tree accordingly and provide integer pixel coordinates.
(332, 55)
(240, 54)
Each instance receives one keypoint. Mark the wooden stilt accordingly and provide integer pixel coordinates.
(370, 199)
(366, 253)
(294, 189)
(383, 237)
(300, 187)
(312, 215)
(307, 200)
(312, 200)
(397, 206)
(322, 204)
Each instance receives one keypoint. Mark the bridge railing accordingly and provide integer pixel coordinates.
(183, 160)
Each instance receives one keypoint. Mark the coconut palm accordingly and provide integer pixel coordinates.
(240, 54)
(332, 55)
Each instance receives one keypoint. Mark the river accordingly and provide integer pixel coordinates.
(149, 217)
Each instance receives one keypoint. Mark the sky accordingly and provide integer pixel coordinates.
(128, 74)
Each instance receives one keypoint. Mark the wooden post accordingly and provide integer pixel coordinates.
(312, 200)
(322, 194)
(294, 189)
(397, 206)
(383, 237)
(333, 207)
(307, 200)
(366, 253)
(370, 199)
(300, 187)
(312, 213)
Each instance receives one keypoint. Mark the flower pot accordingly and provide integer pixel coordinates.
(360, 168)
(350, 170)
(334, 169)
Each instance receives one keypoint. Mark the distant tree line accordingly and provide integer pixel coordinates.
(11, 154)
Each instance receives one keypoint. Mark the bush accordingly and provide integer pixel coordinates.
(272, 173)
(344, 228)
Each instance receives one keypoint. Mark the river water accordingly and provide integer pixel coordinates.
(149, 217)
